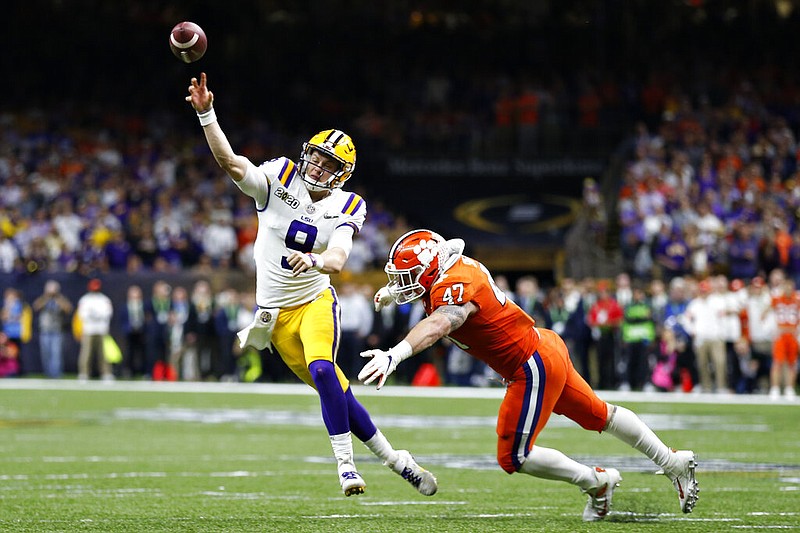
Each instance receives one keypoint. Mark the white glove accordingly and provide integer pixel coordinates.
(383, 363)
(382, 298)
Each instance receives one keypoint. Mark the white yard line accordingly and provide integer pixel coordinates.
(360, 390)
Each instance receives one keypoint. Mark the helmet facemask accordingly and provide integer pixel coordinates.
(413, 265)
(404, 284)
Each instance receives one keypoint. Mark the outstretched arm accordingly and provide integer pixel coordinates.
(443, 321)
(440, 323)
(202, 101)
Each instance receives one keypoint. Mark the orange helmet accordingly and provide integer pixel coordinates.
(413, 266)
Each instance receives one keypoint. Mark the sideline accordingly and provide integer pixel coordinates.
(299, 389)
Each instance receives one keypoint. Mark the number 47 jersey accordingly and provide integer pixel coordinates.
(500, 333)
(288, 220)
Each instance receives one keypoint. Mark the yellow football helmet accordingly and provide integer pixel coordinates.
(335, 144)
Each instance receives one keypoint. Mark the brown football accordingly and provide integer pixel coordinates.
(188, 42)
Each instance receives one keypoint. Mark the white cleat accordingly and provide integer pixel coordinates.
(599, 503)
(419, 478)
(683, 479)
(351, 481)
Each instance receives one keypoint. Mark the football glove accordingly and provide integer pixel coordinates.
(380, 367)
(382, 298)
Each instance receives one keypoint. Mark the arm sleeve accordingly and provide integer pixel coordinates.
(342, 237)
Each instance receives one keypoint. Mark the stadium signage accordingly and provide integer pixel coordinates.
(534, 168)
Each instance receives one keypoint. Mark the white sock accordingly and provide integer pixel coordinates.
(342, 445)
(629, 428)
(381, 447)
(547, 463)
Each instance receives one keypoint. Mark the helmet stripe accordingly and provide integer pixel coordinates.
(287, 172)
(339, 134)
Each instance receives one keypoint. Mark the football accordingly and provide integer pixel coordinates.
(188, 41)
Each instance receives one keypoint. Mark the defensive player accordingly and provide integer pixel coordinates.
(306, 224)
(462, 302)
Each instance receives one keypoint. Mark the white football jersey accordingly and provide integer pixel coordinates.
(288, 220)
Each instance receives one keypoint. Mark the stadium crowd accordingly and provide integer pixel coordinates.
(714, 334)
(709, 190)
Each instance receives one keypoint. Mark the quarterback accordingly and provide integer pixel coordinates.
(462, 302)
(306, 224)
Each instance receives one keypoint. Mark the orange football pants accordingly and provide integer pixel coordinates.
(544, 384)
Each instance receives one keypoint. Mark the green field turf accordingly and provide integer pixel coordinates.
(109, 457)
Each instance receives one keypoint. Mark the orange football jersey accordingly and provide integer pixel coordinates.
(787, 311)
(500, 334)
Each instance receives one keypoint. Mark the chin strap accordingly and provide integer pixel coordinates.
(315, 186)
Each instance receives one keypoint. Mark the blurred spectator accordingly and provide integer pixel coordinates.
(703, 321)
(794, 257)
(578, 335)
(9, 353)
(748, 368)
(623, 290)
(556, 309)
(605, 318)
(658, 303)
(94, 310)
(156, 323)
(502, 283)
(735, 301)
(176, 332)
(17, 320)
(678, 299)
(671, 254)
(743, 252)
(132, 322)
(665, 369)
(219, 239)
(200, 329)
(118, 251)
(638, 340)
(53, 310)
(528, 297)
(594, 209)
(783, 374)
(68, 224)
(226, 322)
(761, 327)
(462, 369)
(356, 323)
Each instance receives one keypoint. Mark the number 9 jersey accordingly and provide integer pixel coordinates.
(500, 334)
(288, 220)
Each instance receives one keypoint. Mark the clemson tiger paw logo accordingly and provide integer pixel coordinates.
(426, 251)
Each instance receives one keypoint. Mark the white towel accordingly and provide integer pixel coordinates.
(259, 333)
